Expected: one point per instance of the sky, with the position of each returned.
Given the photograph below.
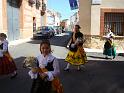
(61, 6)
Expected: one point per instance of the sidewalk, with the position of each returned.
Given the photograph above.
(100, 50)
(20, 41)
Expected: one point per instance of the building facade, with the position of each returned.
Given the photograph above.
(96, 16)
(53, 18)
(21, 17)
(65, 24)
(74, 20)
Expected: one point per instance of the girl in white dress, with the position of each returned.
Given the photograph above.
(7, 64)
(45, 61)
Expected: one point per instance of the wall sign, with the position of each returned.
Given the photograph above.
(96, 2)
(73, 4)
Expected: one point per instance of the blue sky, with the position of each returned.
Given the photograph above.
(61, 6)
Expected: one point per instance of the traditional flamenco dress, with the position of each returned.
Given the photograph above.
(77, 57)
(7, 64)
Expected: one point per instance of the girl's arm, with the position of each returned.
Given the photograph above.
(56, 71)
(73, 37)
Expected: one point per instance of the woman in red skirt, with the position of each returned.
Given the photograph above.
(7, 65)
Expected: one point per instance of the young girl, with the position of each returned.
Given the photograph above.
(77, 55)
(50, 63)
(7, 65)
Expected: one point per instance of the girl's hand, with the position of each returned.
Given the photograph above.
(34, 70)
(44, 75)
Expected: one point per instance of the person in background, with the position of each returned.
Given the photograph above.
(109, 46)
(7, 64)
(76, 55)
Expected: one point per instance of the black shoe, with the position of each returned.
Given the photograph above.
(13, 76)
(66, 69)
(114, 57)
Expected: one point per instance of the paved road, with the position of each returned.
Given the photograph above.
(100, 75)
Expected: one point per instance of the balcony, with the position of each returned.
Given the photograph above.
(38, 4)
(43, 6)
(31, 1)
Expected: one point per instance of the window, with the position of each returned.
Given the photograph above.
(38, 4)
(114, 21)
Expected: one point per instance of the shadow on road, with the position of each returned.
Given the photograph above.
(96, 57)
(20, 84)
(99, 76)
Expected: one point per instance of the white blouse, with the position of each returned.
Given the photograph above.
(43, 61)
(5, 47)
(109, 34)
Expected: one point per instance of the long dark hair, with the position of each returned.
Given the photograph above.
(45, 41)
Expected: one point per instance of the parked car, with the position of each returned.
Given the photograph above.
(44, 32)
(58, 29)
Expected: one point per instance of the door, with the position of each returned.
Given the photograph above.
(13, 20)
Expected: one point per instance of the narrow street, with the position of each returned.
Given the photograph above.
(99, 75)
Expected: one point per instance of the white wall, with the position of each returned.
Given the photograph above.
(85, 16)
(112, 3)
(95, 20)
(95, 13)
(57, 21)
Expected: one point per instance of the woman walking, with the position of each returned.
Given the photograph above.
(109, 47)
(76, 55)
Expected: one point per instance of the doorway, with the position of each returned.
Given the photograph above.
(13, 20)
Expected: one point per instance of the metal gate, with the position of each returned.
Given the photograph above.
(13, 20)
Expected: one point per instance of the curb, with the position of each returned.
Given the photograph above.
(20, 41)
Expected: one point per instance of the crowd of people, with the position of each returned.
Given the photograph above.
(76, 56)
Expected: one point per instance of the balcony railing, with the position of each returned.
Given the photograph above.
(38, 4)
(31, 1)
(43, 6)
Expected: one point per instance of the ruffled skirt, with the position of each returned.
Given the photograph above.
(7, 64)
(110, 51)
(76, 58)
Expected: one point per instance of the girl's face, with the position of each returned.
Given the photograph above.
(76, 29)
(45, 49)
(1, 38)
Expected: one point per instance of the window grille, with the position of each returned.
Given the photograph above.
(114, 21)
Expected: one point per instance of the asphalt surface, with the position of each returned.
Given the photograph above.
(98, 76)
